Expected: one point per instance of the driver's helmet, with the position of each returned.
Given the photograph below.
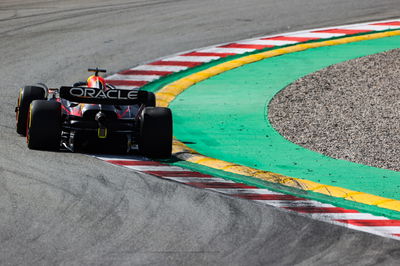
(96, 82)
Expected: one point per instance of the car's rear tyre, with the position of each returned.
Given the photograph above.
(148, 98)
(26, 95)
(156, 132)
(44, 125)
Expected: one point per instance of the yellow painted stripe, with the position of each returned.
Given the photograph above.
(169, 92)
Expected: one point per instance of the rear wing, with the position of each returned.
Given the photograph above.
(98, 96)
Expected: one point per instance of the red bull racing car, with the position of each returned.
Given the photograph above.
(94, 115)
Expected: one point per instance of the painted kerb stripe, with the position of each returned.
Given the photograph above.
(169, 92)
(353, 219)
(349, 218)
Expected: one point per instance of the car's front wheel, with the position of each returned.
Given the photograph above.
(44, 125)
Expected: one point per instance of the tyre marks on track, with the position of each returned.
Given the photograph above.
(349, 218)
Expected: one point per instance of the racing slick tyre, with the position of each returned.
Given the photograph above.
(147, 98)
(44, 125)
(26, 95)
(156, 132)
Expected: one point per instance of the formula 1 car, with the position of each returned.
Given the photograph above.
(93, 115)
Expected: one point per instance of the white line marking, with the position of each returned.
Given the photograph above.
(134, 77)
(318, 35)
(295, 203)
(245, 191)
(268, 42)
(160, 68)
(377, 229)
(227, 50)
(203, 59)
(370, 27)
(348, 216)
(198, 179)
(155, 168)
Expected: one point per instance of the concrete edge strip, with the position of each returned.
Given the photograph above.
(170, 91)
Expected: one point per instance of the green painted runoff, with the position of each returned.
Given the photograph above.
(225, 117)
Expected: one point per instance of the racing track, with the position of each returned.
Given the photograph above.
(62, 208)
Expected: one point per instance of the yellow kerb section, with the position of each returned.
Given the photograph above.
(169, 92)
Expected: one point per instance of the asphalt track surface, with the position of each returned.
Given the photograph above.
(63, 208)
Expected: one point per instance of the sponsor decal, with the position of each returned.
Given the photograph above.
(100, 94)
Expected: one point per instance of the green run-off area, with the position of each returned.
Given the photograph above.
(225, 117)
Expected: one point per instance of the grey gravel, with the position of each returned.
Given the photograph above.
(348, 111)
